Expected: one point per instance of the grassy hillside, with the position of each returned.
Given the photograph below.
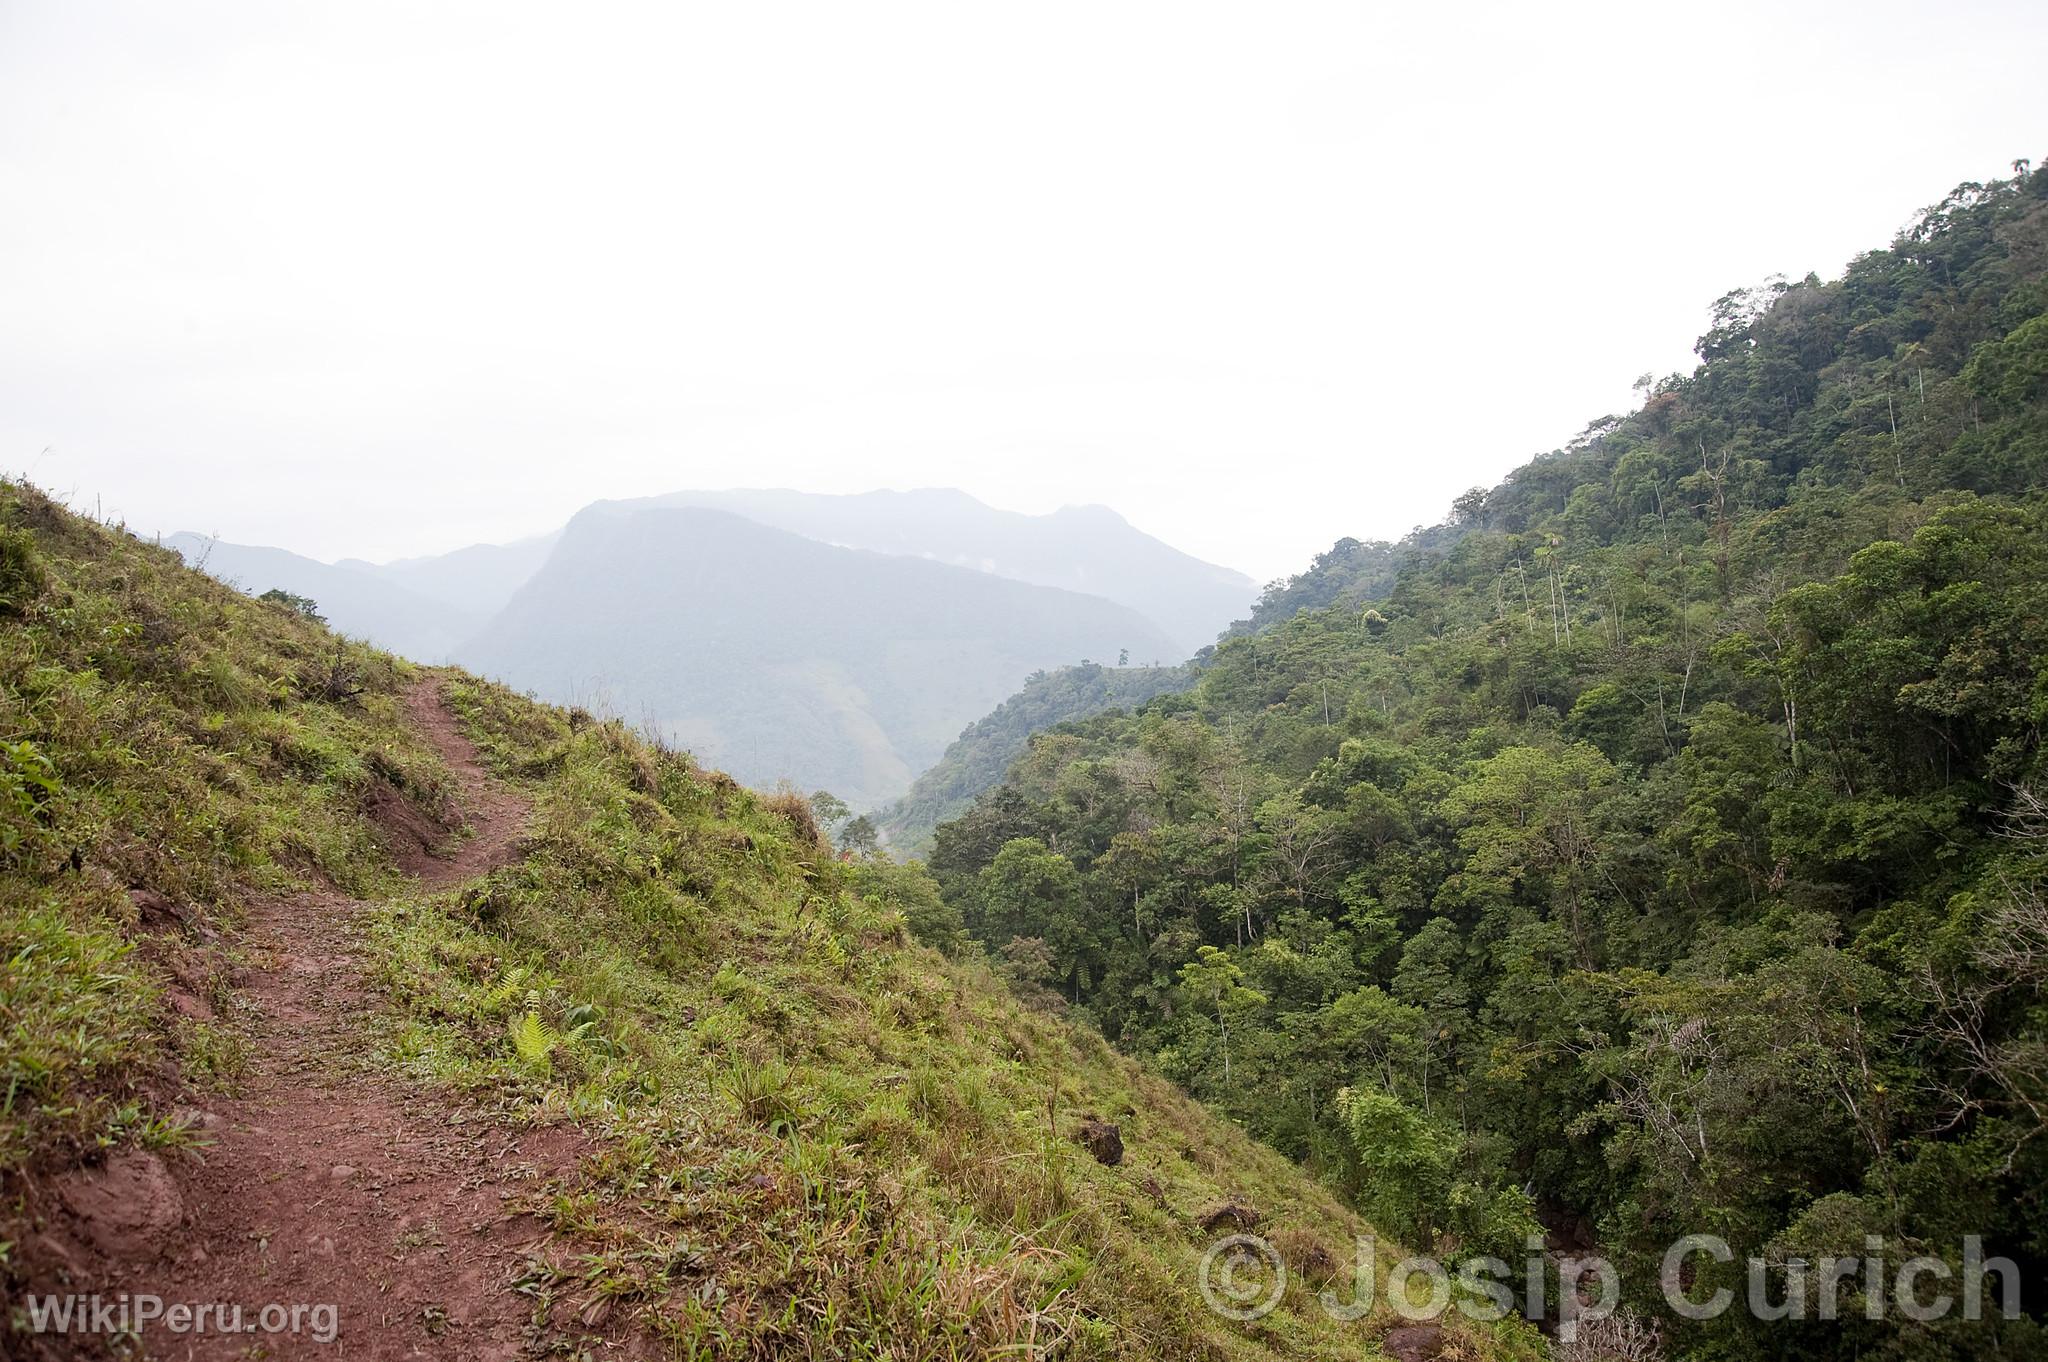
(171, 747)
(353, 599)
(807, 1134)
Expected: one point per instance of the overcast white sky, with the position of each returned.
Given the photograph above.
(380, 279)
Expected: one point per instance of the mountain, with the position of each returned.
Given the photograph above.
(517, 1035)
(475, 581)
(890, 667)
(357, 602)
(1662, 843)
(1088, 549)
(780, 657)
(981, 755)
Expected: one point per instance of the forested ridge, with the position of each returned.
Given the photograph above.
(980, 756)
(1656, 847)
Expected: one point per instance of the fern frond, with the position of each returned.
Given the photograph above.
(533, 1039)
(507, 988)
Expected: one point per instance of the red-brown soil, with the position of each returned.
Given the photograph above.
(324, 1181)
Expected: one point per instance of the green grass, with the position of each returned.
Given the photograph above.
(821, 1139)
(812, 1136)
(160, 735)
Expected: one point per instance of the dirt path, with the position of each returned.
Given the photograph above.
(494, 814)
(326, 1183)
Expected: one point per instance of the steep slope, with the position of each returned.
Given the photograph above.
(1666, 846)
(354, 601)
(476, 581)
(1089, 549)
(638, 1068)
(778, 657)
(303, 1123)
(982, 754)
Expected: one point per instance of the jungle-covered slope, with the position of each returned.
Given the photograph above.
(1659, 846)
(982, 754)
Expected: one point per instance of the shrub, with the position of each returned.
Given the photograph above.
(793, 809)
(298, 605)
(22, 574)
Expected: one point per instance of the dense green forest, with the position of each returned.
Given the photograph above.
(1658, 846)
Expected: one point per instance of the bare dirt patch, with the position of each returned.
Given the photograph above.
(1414, 1343)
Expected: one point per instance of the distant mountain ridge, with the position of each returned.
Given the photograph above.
(1090, 549)
(776, 656)
(884, 680)
(353, 598)
(477, 580)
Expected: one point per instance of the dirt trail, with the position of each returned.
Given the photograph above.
(326, 1183)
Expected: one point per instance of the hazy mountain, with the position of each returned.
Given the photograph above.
(871, 658)
(477, 580)
(776, 656)
(1077, 548)
(352, 600)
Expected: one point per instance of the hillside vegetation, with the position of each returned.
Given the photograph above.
(805, 1134)
(1657, 847)
(982, 754)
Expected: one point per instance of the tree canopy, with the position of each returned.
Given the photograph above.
(1657, 846)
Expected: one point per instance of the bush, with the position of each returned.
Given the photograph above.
(298, 605)
(1413, 1188)
(22, 574)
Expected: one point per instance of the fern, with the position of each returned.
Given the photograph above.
(534, 1040)
(507, 988)
(579, 1027)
